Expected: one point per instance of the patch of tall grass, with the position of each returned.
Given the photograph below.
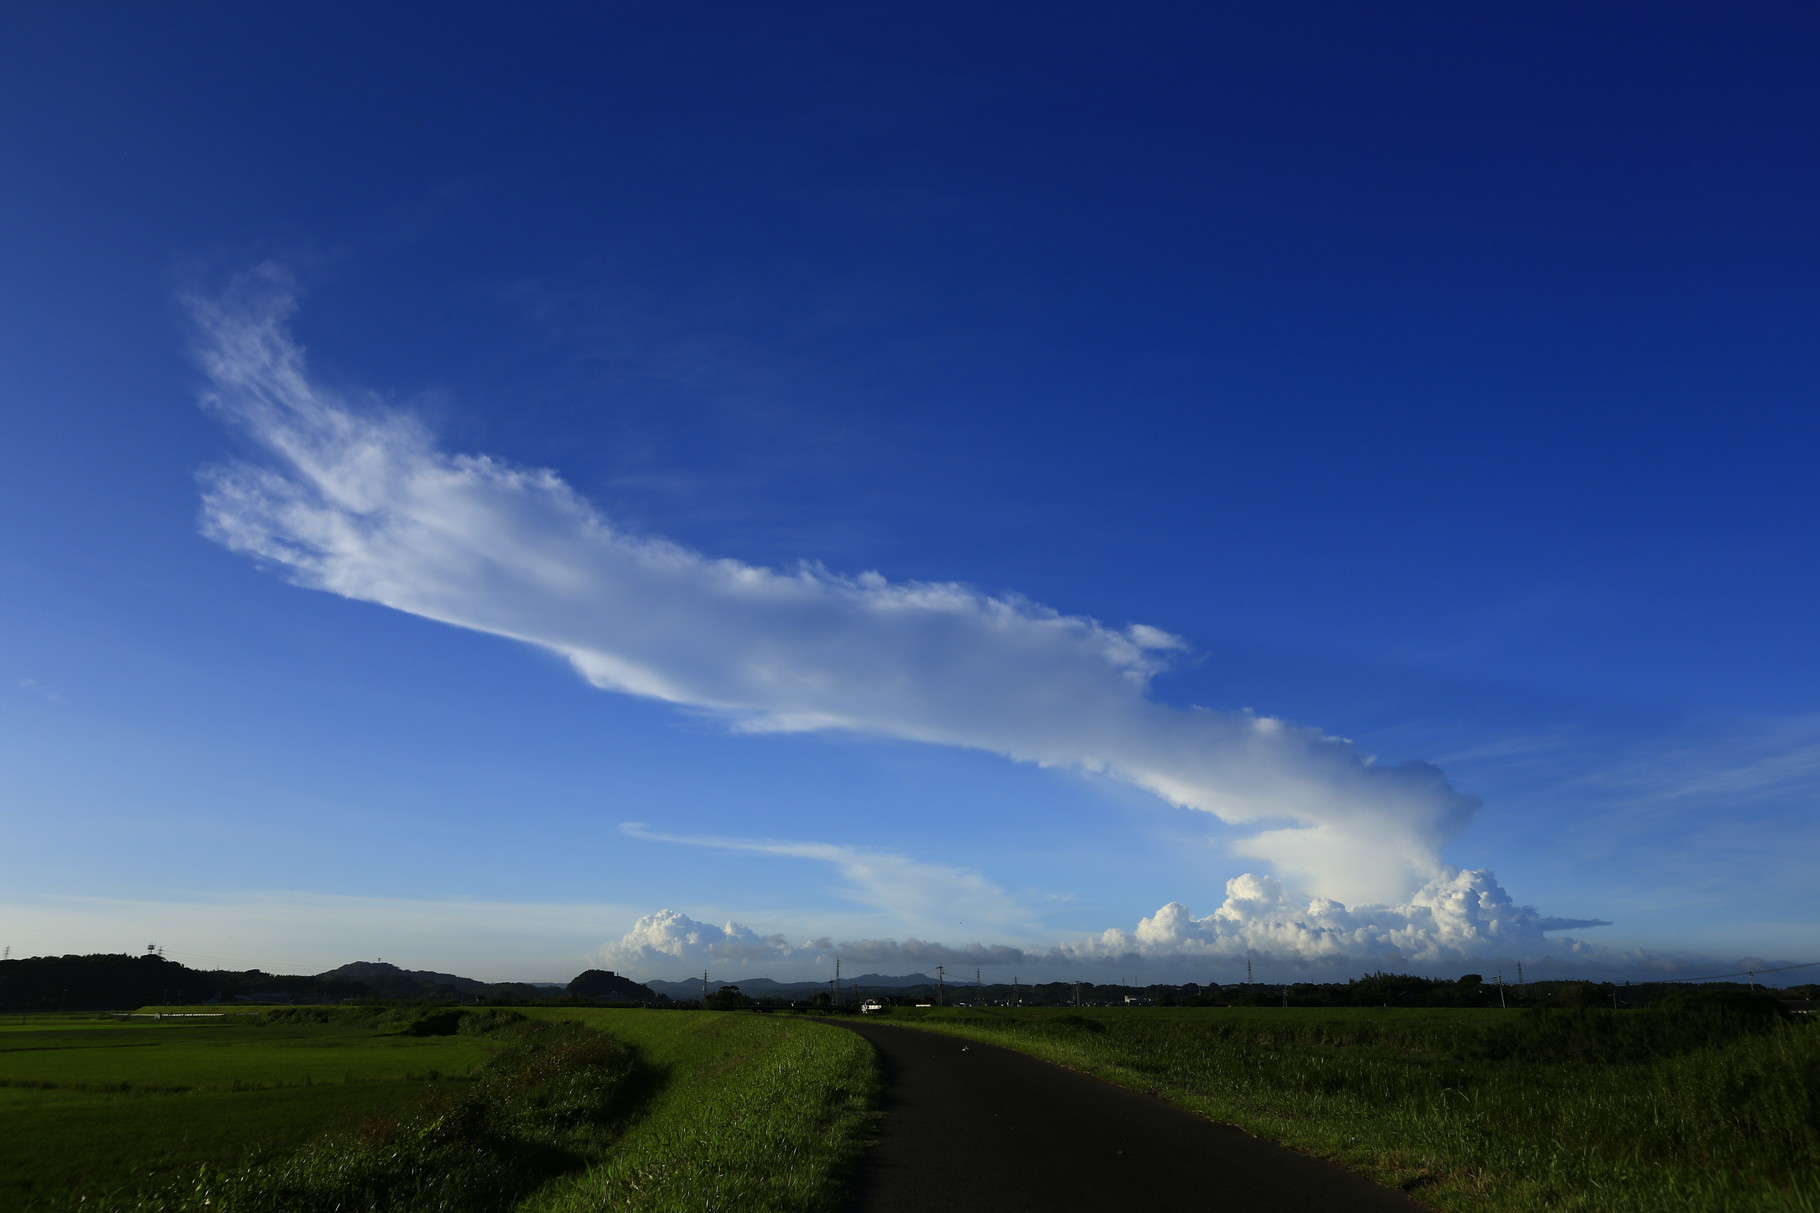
(751, 1112)
(544, 1105)
(1689, 1108)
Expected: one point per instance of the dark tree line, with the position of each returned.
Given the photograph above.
(109, 982)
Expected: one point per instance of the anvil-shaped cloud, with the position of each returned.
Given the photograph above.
(360, 501)
(1461, 918)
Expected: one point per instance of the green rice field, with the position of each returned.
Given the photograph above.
(98, 1106)
(354, 1110)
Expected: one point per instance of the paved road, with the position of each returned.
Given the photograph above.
(969, 1126)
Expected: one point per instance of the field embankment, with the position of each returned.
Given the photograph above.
(749, 1112)
(1601, 1111)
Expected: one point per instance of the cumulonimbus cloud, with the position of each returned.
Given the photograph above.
(358, 500)
(1453, 919)
(1463, 918)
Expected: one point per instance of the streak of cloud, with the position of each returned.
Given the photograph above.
(358, 500)
(920, 895)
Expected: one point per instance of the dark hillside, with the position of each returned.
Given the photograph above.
(602, 986)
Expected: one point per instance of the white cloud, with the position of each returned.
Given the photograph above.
(359, 501)
(916, 895)
(669, 937)
(1460, 921)
(670, 942)
(1459, 918)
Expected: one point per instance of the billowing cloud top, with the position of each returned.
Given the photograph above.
(1459, 919)
(359, 501)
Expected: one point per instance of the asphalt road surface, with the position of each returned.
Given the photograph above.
(969, 1126)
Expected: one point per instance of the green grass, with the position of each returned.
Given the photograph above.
(56, 1156)
(752, 1112)
(199, 1057)
(1474, 1110)
(696, 1110)
(89, 1107)
(546, 1104)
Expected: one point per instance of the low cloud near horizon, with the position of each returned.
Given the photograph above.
(1461, 921)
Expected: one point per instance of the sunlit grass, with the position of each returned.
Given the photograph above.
(749, 1112)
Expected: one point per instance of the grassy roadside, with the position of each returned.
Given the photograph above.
(1473, 1110)
(752, 1112)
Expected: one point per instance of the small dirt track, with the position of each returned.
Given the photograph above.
(968, 1126)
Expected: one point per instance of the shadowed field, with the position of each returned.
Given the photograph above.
(1699, 1107)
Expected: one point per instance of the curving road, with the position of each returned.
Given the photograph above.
(969, 1126)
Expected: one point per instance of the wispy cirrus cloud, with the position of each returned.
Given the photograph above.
(43, 691)
(908, 892)
(358, 500)
(1743, 762)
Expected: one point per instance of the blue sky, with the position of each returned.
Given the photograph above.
(1084, 493)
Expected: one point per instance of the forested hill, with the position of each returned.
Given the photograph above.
(384, 980)
(114, 982)
(111, 982)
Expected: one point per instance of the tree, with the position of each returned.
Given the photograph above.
(727, 998)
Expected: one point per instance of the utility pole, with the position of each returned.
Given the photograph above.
(941, 985)
(1248, 970)
(837, 983)
(1017, 999)
(704, 987)
(1500, 980)
(1519, 977)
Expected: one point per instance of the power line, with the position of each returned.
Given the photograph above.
(1749, 972)
(1717, 976)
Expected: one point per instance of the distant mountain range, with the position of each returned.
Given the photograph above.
(764, 987)
(116, 981)
(389, 981)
